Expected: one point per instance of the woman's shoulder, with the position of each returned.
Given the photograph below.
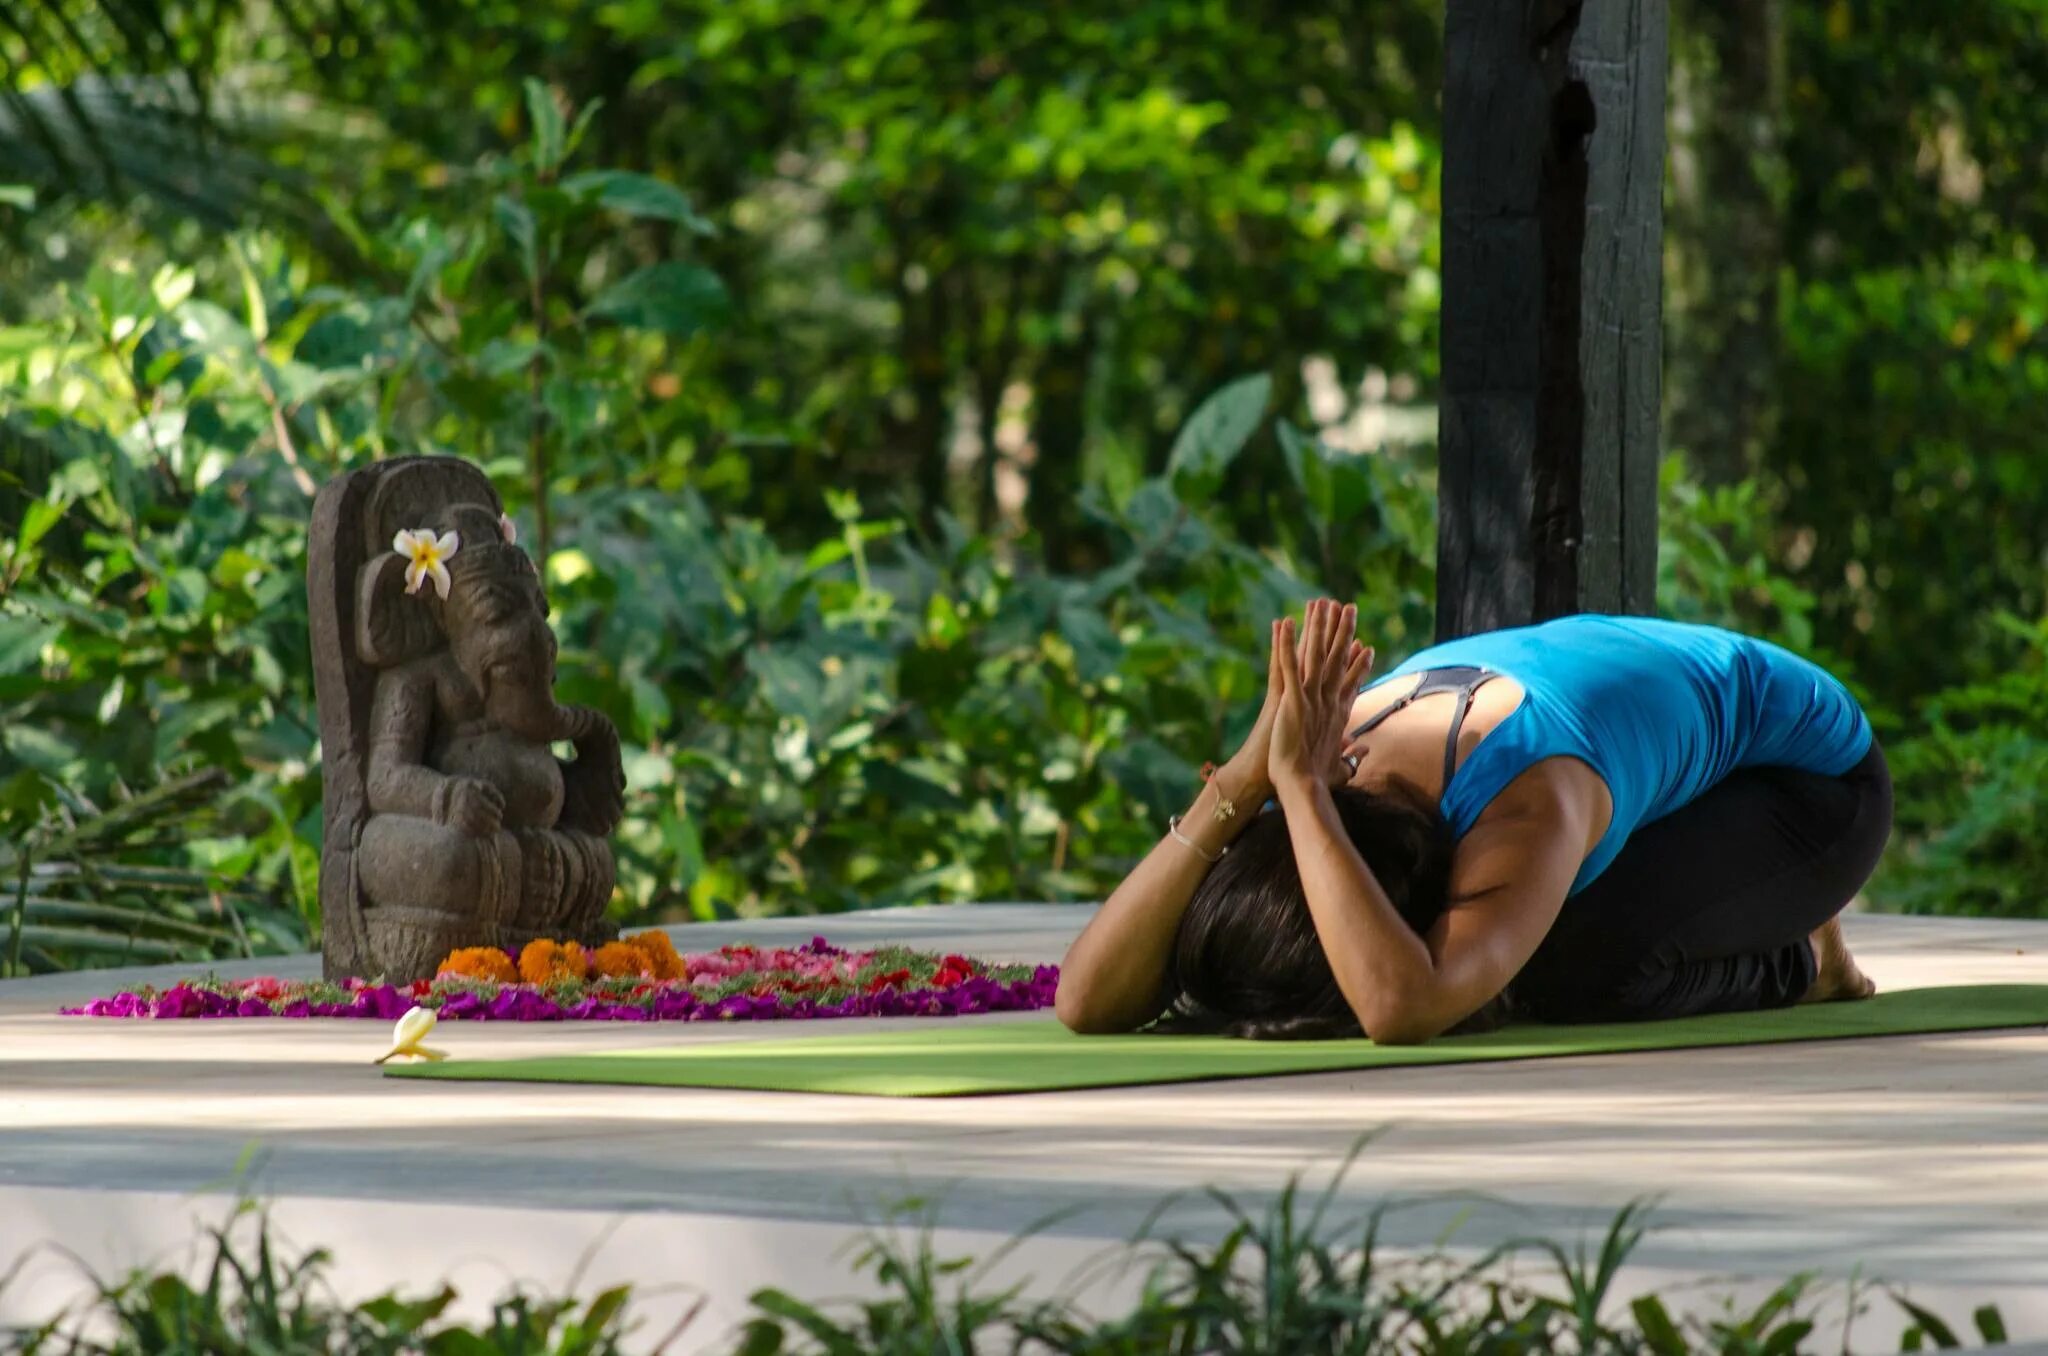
(1551, 793)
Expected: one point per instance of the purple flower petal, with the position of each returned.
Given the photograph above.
(462, 1005)
(812, 982)
(177, 1001)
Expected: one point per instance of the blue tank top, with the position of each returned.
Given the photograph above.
(1661, 710)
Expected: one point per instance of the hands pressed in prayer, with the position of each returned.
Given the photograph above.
(1318, 673)
(1249, 773)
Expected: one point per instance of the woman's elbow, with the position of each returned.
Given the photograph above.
(1393, 1024)
(1080, 1014)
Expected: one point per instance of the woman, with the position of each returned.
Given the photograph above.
(1593, 819)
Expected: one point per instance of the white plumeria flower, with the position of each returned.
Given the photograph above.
(429, 556)
(413, 1028)
(509, 528)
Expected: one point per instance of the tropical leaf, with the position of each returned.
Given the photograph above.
(73, 891)
(117, 138)
(674, 298)
(1216, 432)
(125, 100)
(638, 195)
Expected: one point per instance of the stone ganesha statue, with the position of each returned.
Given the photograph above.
(449, 820)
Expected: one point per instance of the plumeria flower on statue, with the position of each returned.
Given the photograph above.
(412, 1028)
(429, 556)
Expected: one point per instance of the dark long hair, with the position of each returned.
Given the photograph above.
(1247, 961)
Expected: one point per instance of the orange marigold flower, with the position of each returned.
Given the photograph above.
(663, 960)
(478, 962)
(622, 960)
(543, 960)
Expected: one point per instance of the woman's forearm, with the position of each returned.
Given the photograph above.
(1113, 977)
(1383, 969)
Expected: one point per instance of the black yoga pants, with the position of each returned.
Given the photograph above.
(1709, 908)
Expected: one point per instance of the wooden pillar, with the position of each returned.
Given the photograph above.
(1553, 236)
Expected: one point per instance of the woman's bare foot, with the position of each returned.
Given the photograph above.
(1838, 979)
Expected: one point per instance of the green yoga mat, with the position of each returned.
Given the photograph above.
(928, 1057)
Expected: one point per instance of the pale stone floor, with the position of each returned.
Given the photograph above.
(1917, 1160)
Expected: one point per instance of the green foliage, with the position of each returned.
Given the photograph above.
(1215, 433)
(895, 380)
(1912, 131)
(922, 207)
(1912, 465)
(1969, 763)
(894, 714)
(151, 622)
(75, 895)
(252, 1301)
(1284, 1280)
(1714, 562)
(1971, 783)
(1856, 303)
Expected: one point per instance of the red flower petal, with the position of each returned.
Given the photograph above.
(888, 981)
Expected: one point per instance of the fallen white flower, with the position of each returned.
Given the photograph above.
(413, 1028)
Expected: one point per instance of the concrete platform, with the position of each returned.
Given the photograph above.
(1917, 1160)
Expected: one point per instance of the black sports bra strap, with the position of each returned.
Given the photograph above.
(1465, 692)
(1372, 722)
(1464, 679)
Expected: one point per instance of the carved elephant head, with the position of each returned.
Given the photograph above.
(493, 623)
